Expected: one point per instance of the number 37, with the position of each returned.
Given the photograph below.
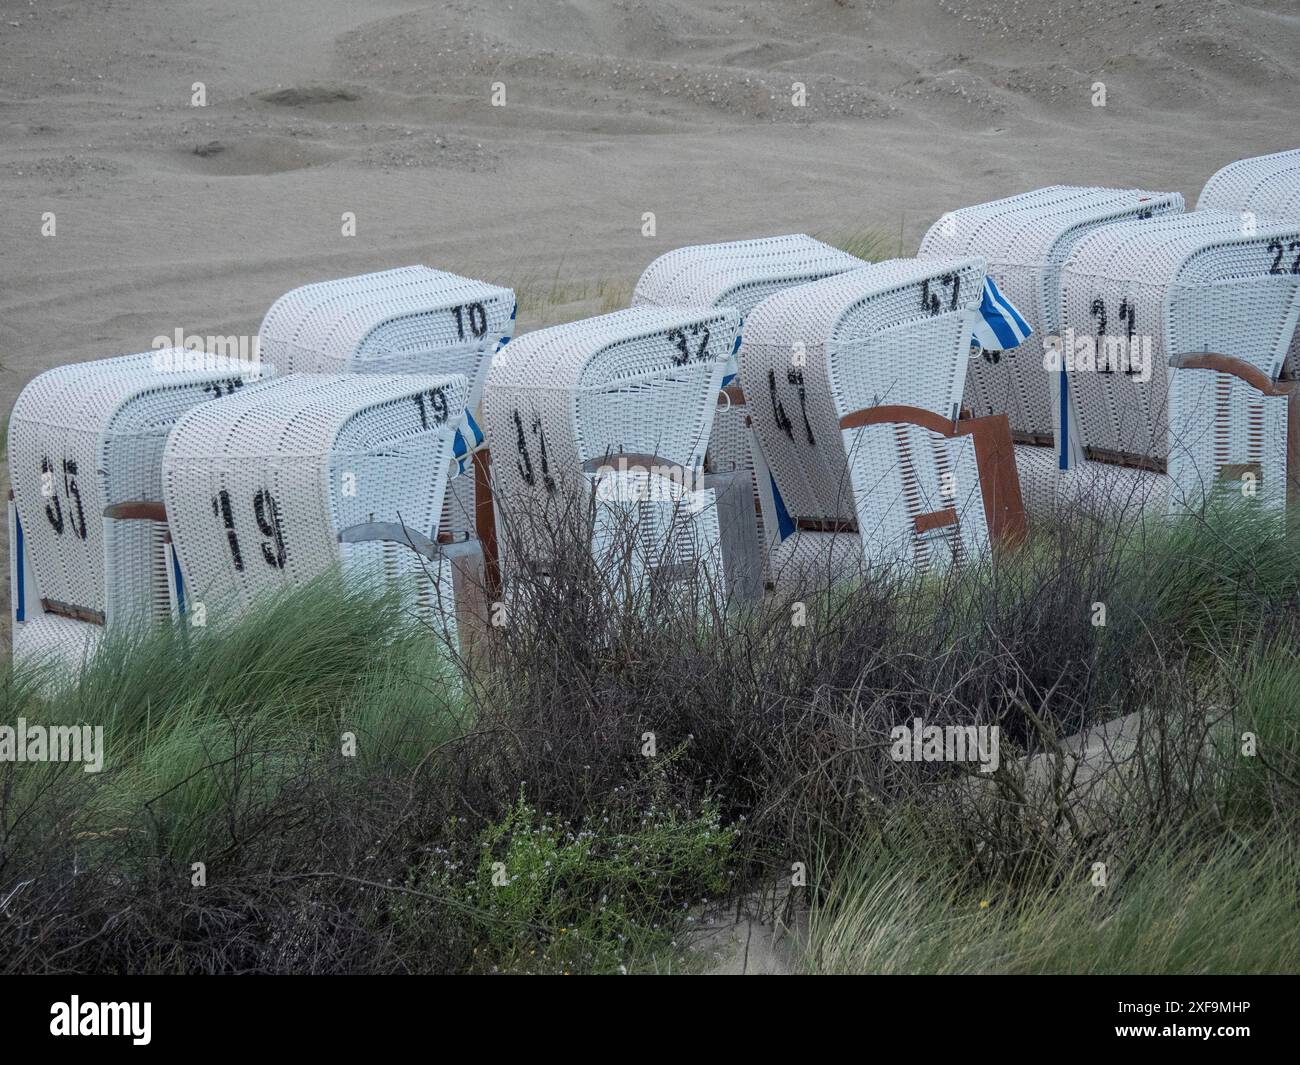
(266, 512)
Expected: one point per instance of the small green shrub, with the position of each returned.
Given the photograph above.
(609, 893)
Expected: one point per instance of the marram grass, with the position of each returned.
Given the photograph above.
(197, 719)
(1228, 906)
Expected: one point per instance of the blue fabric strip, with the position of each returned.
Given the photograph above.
(1063, 460)
(20, 614)
(180, 582)
(784, 523)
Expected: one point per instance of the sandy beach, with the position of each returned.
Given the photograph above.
(172, 216)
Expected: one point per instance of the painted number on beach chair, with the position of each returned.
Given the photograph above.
(266, 512)
(794, 377)
(1098, 310)
(1127, 315)
(217, 389)
(1276, 247)
(525, 461)
(437, 406)
(930, 301)
(678, 338)
(473, 315)
(71, 492)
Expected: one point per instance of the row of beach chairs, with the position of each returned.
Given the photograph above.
(769, 411)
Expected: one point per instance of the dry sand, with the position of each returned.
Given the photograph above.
(171, 216)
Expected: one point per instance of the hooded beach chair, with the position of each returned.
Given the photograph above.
(268, 490)
(1026, 240)
(88, 537)
(1264, 186)
(1175, 332)
(738, 274)
(408, 320)
(854, 386)
(620, 407)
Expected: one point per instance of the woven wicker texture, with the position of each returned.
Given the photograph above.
(259, 486)
(1268, 186)
(668, 528)
(641, 381)
(1262, 186)
(459, 508)
(733, 449)
(409, 320)
(896, 332)
(91, 435)
(425, 586)
(1026, 240)
(1226, 440)
(903, 472)
(1172, 285)
(739, 273)
(1099, 487)
(893, 333)
(50, 641)
(816, 559)
(144, 597)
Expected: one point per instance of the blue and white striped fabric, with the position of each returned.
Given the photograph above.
(1000, 326)
(461, 447)
(732, 369)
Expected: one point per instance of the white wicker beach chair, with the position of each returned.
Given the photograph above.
(1026, 239)
(854, 386)
(89, 542)
(622, 403)
(738, 274)
(1266, 186)
(409, 320)
(1138, 297)
(1262, 186)
(271, 489)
